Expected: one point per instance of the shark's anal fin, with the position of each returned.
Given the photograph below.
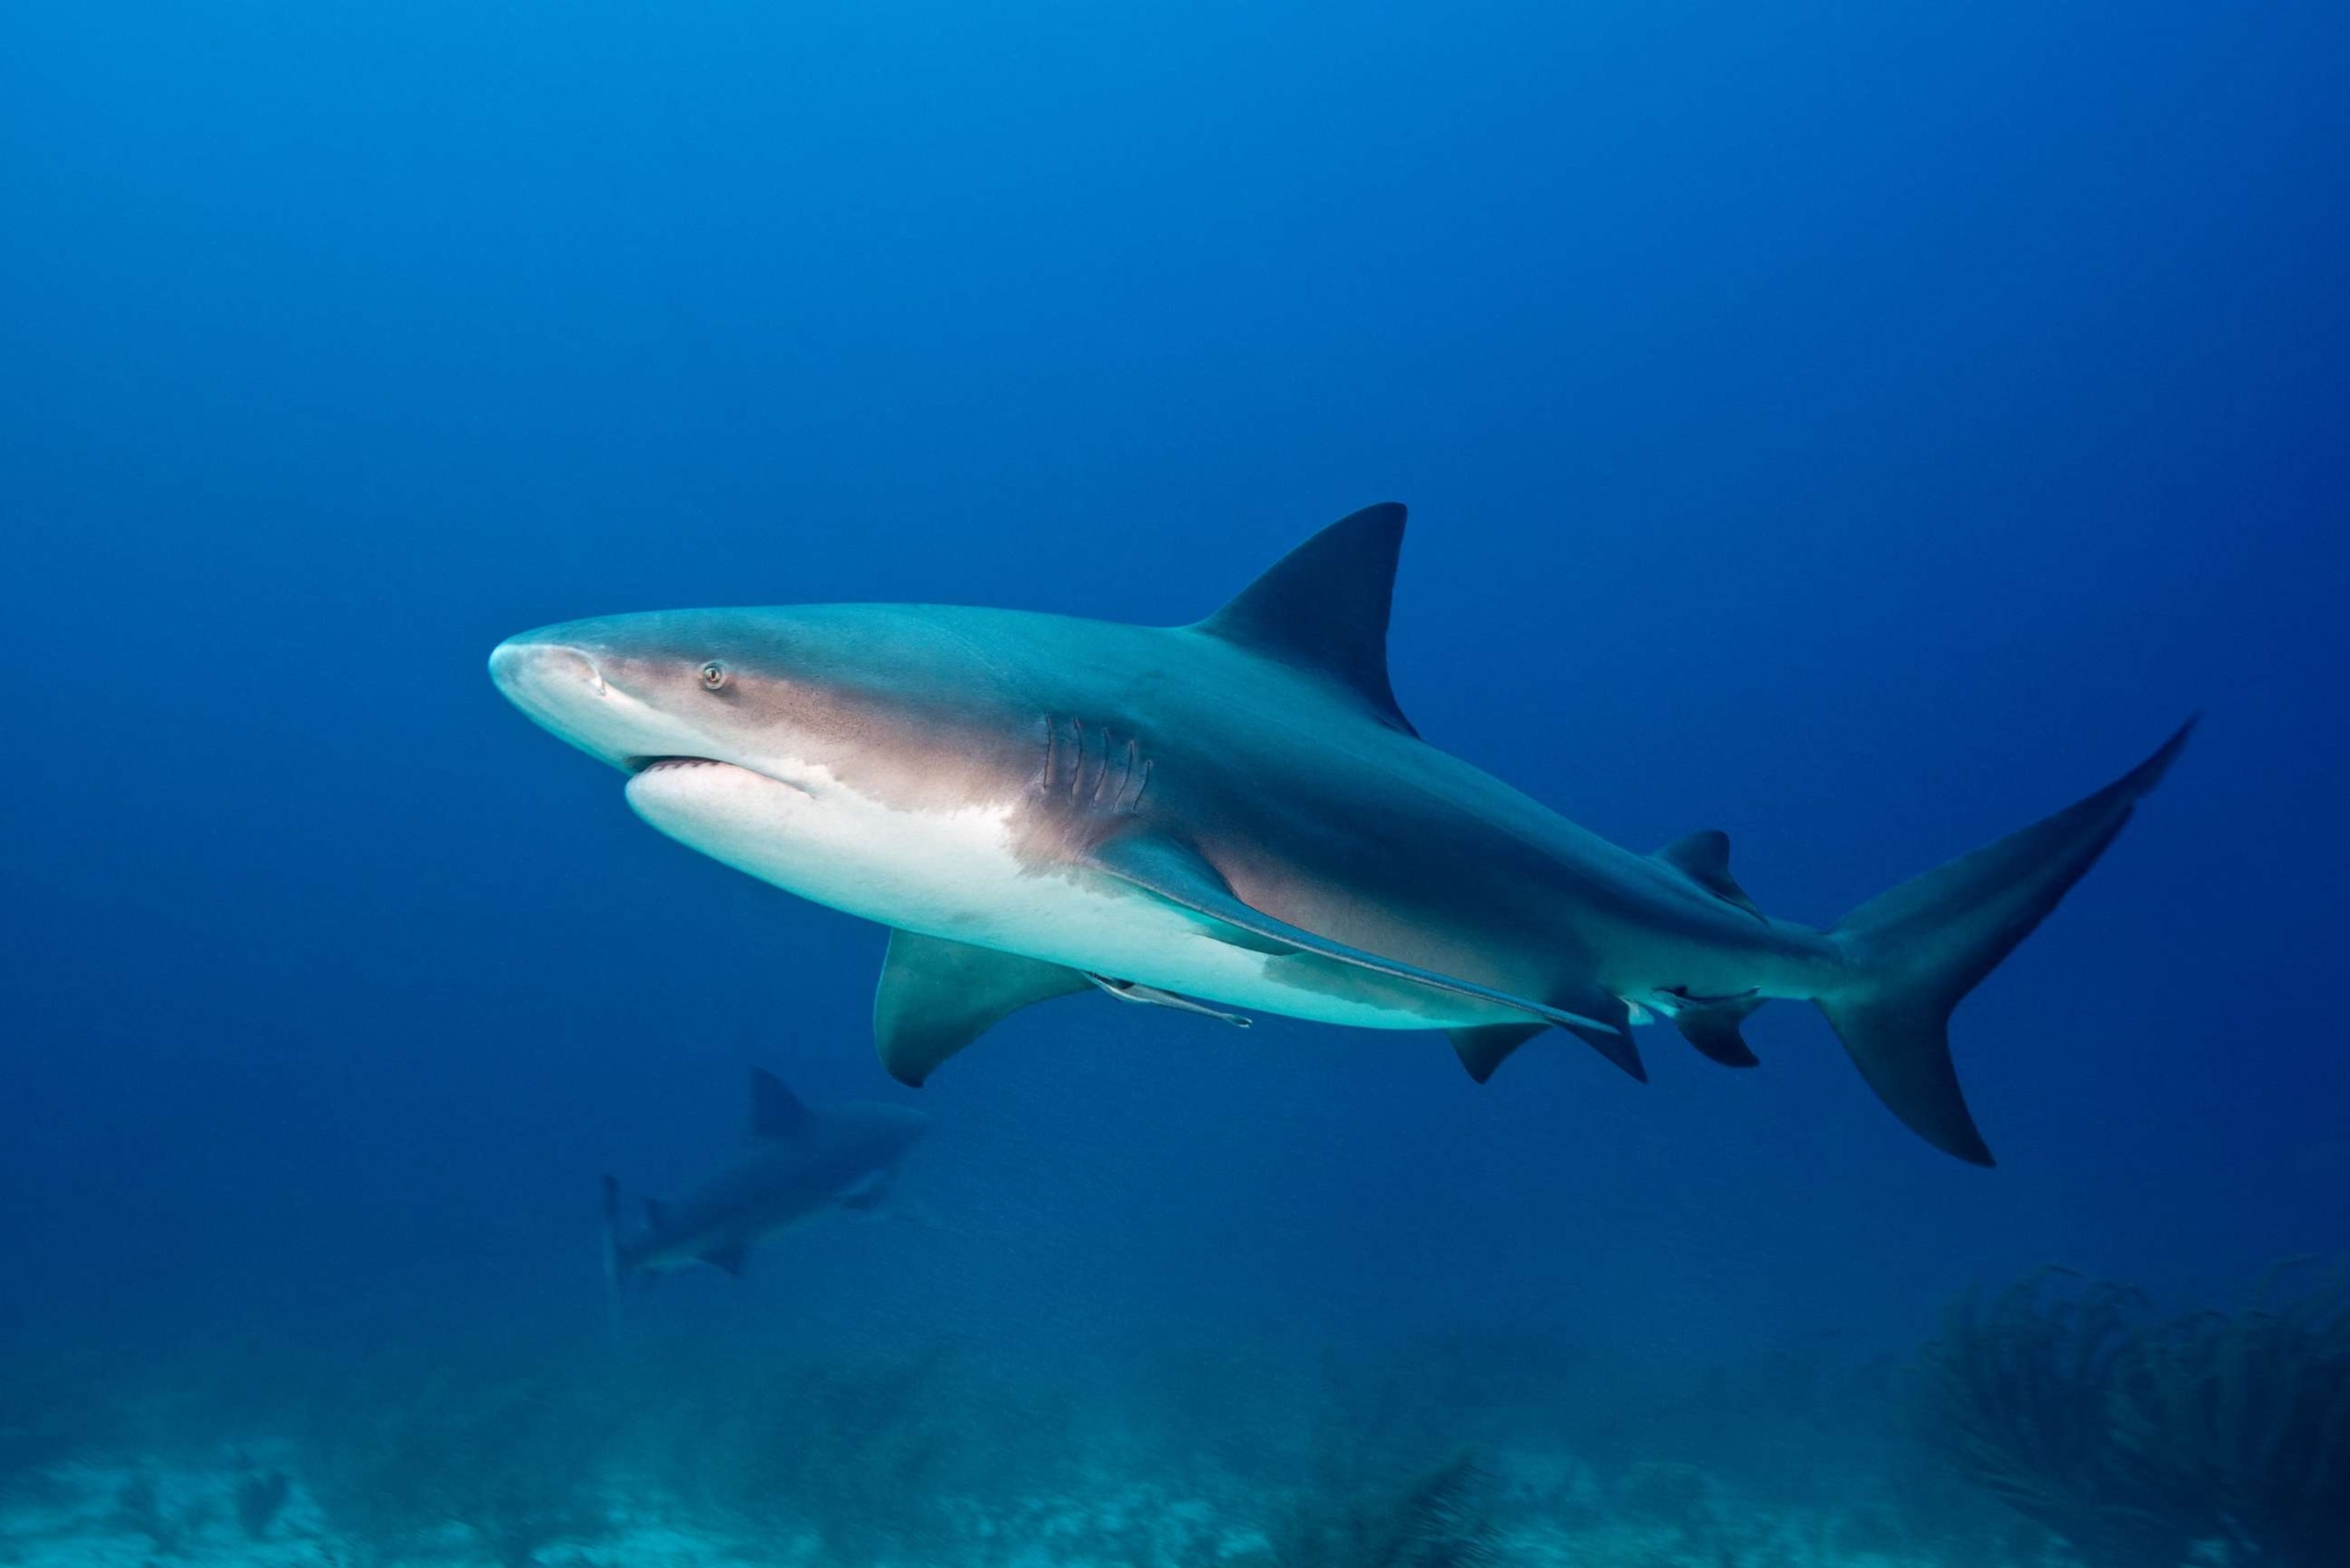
(775, 1111)
(1176, 872)
(730, 1256)
(1704, 858)
(1711, 1023)
(1150, 996)
(1485, 1048)
(1324, 608)
(937, 996)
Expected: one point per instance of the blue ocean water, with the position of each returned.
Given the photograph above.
(1862, 430)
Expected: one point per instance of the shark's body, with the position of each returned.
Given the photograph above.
(1236, 811)
(799, 1162)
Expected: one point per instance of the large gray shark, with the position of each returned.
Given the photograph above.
(1237, 811)
(800, 1161)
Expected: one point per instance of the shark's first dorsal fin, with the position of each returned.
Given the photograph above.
(656, 1215)
(1704, 858)
(775, 1111)
(1324, 606)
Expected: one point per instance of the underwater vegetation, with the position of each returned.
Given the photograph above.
(2135, 1435)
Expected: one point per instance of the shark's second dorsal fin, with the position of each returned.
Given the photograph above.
(1704, 858)
(775, 1111)
(1324, 606)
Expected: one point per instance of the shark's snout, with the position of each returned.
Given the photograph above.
(565, 688)
(530, 669)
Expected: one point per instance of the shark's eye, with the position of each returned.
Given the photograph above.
(713, 675)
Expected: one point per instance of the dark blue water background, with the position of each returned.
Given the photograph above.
(1862, 432)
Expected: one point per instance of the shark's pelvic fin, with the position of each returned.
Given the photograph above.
(1914, 952)
(937, 996)
(730, 1256)
(1176, 872)
(775, 1111)
(1485, 1048)
(1704, 858)
(1324, 606)
(1605, 1027)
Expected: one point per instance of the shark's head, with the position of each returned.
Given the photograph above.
(807, 712)
(742, 687)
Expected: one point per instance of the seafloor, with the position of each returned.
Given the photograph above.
(1439, 1455)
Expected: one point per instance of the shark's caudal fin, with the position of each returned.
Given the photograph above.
(1914, 951)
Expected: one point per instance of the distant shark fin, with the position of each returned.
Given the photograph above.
(1483, 1047)
(938, 996)
(775, 1111)
(864, 1194)
(1704, 858)
(1178, 874)
(730, 1256)
(1324, 606)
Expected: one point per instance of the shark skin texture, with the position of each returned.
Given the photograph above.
(1237, 814)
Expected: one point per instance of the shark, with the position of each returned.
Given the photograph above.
(1236, 814)
(799, 1162)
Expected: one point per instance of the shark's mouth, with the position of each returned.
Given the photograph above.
(646, 767)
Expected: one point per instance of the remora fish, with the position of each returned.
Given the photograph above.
(799, 1162)
(1237, 810)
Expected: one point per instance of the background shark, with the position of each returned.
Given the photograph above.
(1239, 811)
(798, 1162)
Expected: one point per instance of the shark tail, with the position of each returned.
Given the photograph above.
(1914, 952)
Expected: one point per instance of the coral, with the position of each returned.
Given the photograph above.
(2134, 1437)
(2249, 1412)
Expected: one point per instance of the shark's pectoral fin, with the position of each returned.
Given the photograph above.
(1176, 872)
(1483, 1047)
(938, 996)
(1150, 996)
(730, 1256)
(866, 1193)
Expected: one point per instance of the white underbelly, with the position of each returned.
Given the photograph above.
(954, 874)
